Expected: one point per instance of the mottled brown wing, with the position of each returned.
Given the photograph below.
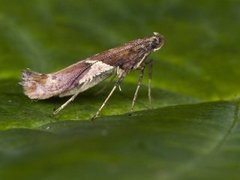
(43, 86)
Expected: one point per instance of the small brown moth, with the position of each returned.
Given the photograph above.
(89, 72)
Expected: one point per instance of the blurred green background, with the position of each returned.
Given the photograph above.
(193, 130)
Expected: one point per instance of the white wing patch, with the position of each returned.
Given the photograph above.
(98, 72)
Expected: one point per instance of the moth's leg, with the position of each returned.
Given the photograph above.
(138, 86)
(106, 85)
(119, 80)
(65, 104)
(150, 65)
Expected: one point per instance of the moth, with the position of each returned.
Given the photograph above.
(87, 73)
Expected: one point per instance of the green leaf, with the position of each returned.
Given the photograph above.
(192, 132)
(178, 142)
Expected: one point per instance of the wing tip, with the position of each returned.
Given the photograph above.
(31, 81)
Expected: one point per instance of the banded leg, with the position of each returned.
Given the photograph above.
(117, 84)
(138, 87)
(65, 104)
(150, 65)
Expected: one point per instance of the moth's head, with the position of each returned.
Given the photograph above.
(156, 41)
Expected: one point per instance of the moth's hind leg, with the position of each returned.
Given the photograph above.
(66, 103)
(106, 85)
(117, 84)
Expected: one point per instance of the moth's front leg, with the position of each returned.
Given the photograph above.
(150, 66)
(149, 63)
(138, 86)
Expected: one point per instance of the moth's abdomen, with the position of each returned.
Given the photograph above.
(38, 86)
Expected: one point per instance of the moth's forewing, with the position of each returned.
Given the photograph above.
(43, 86)
(77, 77)
(97, 72)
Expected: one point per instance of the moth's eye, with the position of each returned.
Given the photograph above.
(156, 40)
(155, 43)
